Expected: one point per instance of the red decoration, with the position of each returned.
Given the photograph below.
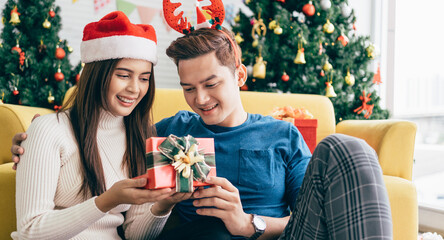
(22, 58)
(15, 92)
(282, 1)
(368, 108)
(377, 77)
(181, 24)
(322, 73)
(309, 9)
(60, 53)
(51, 13)
(285, 77)
(343, 39)
(244, 87)
(57, 108)
(58, 76)
(16, 48)
(302, 119)
(77, 77)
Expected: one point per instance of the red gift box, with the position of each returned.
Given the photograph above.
(307, 127)
(164, 175)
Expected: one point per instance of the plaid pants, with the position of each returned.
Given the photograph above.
(343, 195)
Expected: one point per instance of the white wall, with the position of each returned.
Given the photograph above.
(76, 15)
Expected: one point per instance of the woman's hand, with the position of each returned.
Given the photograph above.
(164, 206)
(130, 191)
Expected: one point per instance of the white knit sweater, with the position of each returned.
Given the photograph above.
(48, 181)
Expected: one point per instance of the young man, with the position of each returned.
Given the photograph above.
(261, 162)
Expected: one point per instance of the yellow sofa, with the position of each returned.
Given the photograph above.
(393, 140)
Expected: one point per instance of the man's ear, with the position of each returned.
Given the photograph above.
(242, 74)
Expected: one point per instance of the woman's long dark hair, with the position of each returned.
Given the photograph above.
(85, 105)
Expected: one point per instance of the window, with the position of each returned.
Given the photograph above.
(418, 96)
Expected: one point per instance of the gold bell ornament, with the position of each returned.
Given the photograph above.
(328, 27)
(300, 57)
(329, 90)
(238, 38)
(349, 78)
(46, 24)
(50, 98)
(14, 16)
(259, 68)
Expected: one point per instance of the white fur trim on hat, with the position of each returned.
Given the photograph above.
(118, 46)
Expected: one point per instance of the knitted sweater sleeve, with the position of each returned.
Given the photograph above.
(36, 184)
(140, 223)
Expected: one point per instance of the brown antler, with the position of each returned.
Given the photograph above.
(217, 12)
(177, 23)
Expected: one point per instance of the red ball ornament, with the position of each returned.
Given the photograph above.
(17, 49)
(244, 87)
(60, 53)
(285, 77)
(343, 39)
(15, 92)
(282, 1)
(322, 73)
(309, 9)
(58, 76)
(51, 13)
(77, 77)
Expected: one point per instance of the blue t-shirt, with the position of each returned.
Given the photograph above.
(264, 158)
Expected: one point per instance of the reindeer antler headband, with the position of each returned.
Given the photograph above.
(179, 23)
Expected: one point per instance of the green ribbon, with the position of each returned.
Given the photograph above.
(171, 150)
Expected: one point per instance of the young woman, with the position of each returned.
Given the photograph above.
(74, 182)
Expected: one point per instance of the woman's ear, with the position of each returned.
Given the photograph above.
(242, 74)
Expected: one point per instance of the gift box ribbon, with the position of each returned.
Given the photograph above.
(189, 162)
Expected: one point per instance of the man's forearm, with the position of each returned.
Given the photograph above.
(275, 226)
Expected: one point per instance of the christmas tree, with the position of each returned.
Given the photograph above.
(310, 47)
(35, 67)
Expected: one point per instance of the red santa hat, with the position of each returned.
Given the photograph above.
(201, 19)
(115, 37)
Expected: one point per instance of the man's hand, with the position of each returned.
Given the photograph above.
(226, 203)
(16, 150)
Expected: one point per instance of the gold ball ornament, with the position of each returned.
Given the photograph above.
(272, 25)
(328, 27)
(238, 38)
(278, 30)
(327, 66)
(247, 1)
(51, 98)
(371, 51)
(255, 43)
(46, 24)
(237, 18)
(349, 79)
